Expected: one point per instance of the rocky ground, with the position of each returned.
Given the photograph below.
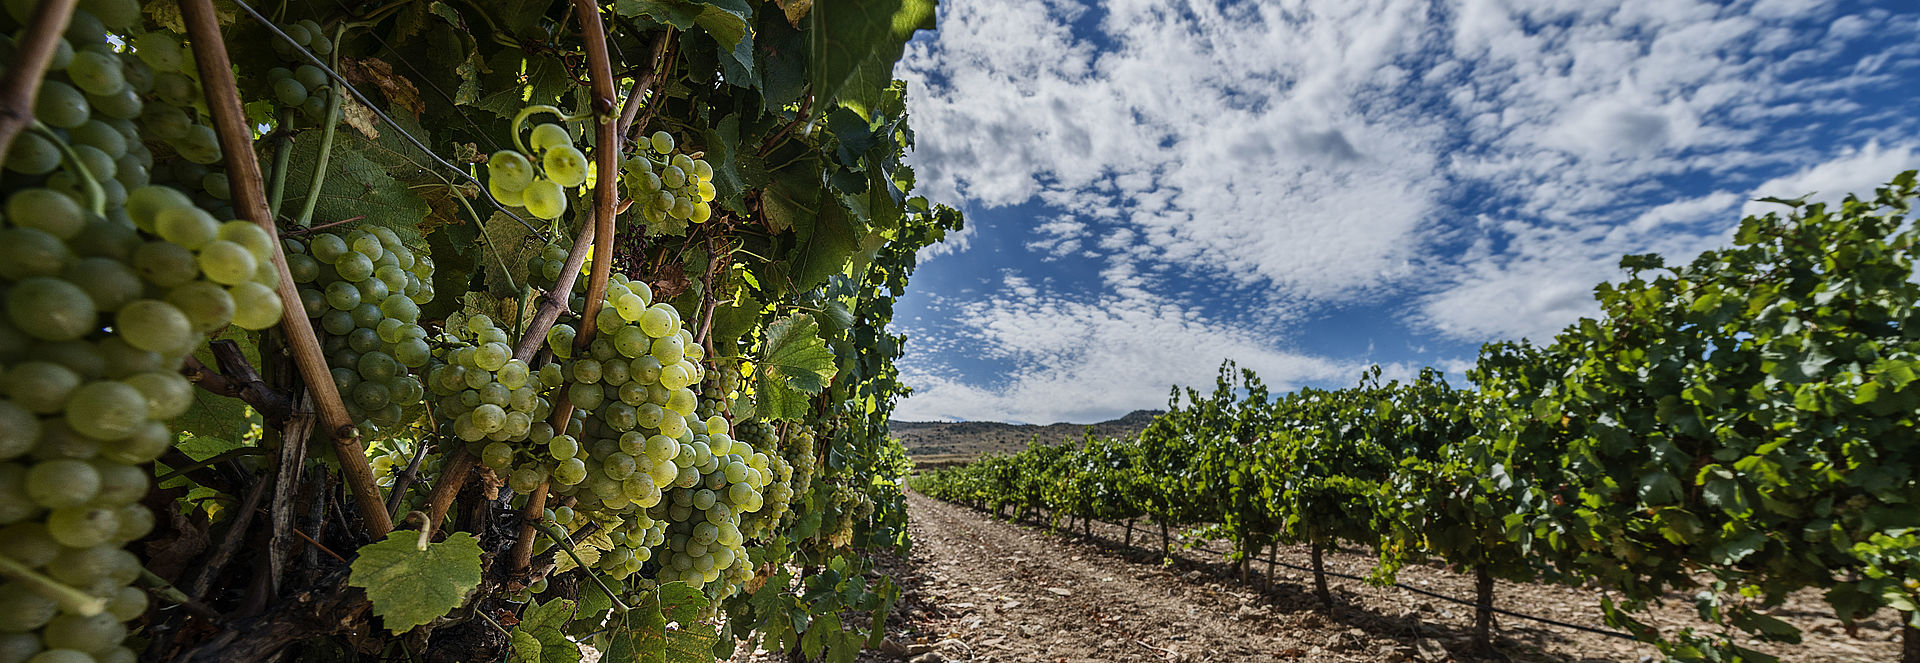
(981, 589)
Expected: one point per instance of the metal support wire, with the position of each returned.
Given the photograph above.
(342, 82)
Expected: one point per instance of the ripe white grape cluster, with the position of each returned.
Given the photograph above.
(777, 493)
(299, 85)
(665, 184)
(108, 284)
(365, 289)
(489, 397)
(513, 179)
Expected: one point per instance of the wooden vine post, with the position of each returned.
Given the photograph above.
(250, 202)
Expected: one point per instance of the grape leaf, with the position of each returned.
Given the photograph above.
(526, 647)
(409, 586)
(643, 634)
(795, 355)
(544, 623)
(826, 241)
(860, 43)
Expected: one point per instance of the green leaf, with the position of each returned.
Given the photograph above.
(410, 586)
(862, 35)
(794, 354)
(642, 634)
(826, 240)
(546, 622)
(526, 647)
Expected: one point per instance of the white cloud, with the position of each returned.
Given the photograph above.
(1084, 362)
(1480, 164)
(1855, 171)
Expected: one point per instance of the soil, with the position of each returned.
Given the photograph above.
(976, 588)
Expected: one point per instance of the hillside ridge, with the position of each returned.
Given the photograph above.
(941, 443)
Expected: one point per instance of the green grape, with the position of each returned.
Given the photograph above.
(151, 324)
(60, 105)
(661, 142)
(188, 226)
(545, 199)
(227, 263)
(508, 197)
(256, 306)
(509, 171)
(32, 155)
(61, 483)
(328, 248)
(548, 136)
(106, 410)
(354, 266)
(565, 165)
(310, 76)
(25, 252)
(96, 73)
(47, 211)
(83, 526)
(50, 309)
(289, 92)
(109, 283)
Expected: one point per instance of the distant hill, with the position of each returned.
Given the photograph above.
(941, 443)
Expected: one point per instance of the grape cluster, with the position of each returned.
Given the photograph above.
(665, 184)
(175, 115)
(105, 295)
(299, 85)
(513, 178)
(490, 398)
(365, 289)
(547, 264)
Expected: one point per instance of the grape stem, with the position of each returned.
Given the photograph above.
(96, 196)
(566, 545)
(31, 56)
(520, 120)
(334, 99)
(72, 600)
(249, 198)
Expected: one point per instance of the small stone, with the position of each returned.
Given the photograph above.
(918, 648)
(1431, 650)
(1062, 591)
(929, 657)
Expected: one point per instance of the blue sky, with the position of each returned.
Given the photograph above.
(1311, 187)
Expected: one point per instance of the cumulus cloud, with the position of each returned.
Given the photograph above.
(1474, 166)
(1064, 360)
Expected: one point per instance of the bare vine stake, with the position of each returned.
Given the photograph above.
(249, 197)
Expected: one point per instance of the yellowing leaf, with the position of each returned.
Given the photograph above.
(410, 586)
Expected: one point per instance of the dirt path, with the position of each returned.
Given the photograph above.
(980, 589)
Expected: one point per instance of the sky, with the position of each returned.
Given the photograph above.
(1308, 188)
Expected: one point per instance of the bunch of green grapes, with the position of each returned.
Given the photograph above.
(174, 112)
(107, 288)
(365, 289)
(514, 179)
(547, 264)
(778, 492)
(799, 452)
(665, 184)
(495, 402)
(299, 84)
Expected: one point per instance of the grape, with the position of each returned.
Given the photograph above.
(188, 226)
(545, 199)
(289, 92)
(256, 306)
(548, 136)
(165, 264)
(106, 410)
(60, 105)
(51, 309)
(661, 142)
(46, 210)
(32, 155)
(56, 484)
(227, 263)
(566, 166)
(155, 325)
(96, 73)
(26, 252)
(509, 171)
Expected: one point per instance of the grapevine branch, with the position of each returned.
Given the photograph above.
(249, 198)
(32, 55)
(642, 85)
(605, 198)
(238, 379)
